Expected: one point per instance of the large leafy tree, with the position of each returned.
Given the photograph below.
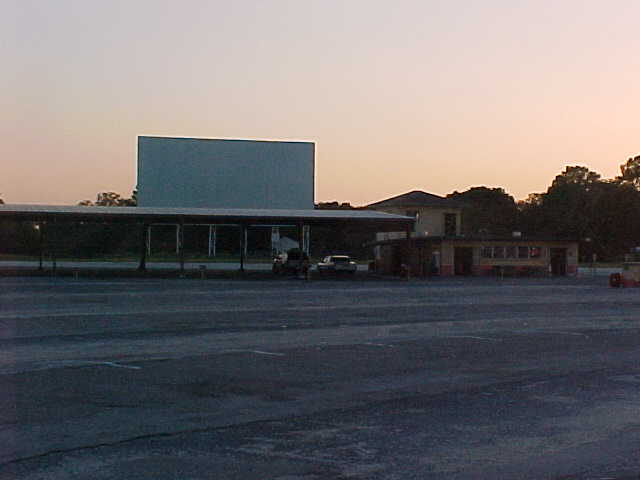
(569, 202)
(579, 204)
(489, 211)
(565, 209)
(614, 226)
(630, 172)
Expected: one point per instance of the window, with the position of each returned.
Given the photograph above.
(536, 252)
(498, 252)
(523, 252)
(486, 252)
(450, 225)
(510, 252)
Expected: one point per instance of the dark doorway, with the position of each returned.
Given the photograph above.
(558, 261)
(463, 260)
(396, 260)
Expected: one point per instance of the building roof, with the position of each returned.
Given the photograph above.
(219, 216)
(416, 198)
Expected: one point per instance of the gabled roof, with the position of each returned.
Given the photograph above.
(416, 198)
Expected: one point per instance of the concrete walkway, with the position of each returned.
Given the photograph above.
(133, 265)
(213, 266)
(220, 266)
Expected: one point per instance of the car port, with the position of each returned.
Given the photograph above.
(53, 222)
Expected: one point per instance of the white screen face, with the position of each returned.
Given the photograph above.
(199, 173)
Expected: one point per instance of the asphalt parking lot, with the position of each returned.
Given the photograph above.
(288, 379)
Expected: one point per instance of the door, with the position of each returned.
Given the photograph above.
(463, 260)
(558, 261)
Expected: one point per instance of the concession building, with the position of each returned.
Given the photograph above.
(437, 247)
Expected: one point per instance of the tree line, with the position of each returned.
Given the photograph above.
(603, 215)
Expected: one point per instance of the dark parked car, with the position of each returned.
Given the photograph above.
(287, 263)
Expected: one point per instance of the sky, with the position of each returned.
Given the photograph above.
(408, 95)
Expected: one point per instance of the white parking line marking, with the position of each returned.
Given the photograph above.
(260, 352)
(257, 352)
(119, 365)
(560, 332)
(476, 338)
(84, 363)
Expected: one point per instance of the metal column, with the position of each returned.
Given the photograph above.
(53, 244)
(300, 228)
(213, 234)
(243, 245)
(307, 239)
(178, 239)
(275, 240)
(144, 246)
(40, 229)
(409, 251)
(181, 246)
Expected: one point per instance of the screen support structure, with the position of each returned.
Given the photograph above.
(144, 246)
(181, 245)
(243, 245)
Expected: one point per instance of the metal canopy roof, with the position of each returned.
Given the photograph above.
(38, 213)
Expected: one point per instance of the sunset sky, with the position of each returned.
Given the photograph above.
(427, 94)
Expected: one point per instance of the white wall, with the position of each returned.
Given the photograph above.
(187, 172)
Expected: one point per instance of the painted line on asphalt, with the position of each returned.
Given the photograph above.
(257, 352)
(119, 365)
(560, 332)
(260, 352)
(86, 363)
(476, 338)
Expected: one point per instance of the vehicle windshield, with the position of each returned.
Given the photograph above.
(340, 259)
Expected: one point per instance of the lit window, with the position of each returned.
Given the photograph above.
(536, 252)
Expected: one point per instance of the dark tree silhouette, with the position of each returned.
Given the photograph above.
(489, 211)
(112, 199)
(580, 205)
(630, 172)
